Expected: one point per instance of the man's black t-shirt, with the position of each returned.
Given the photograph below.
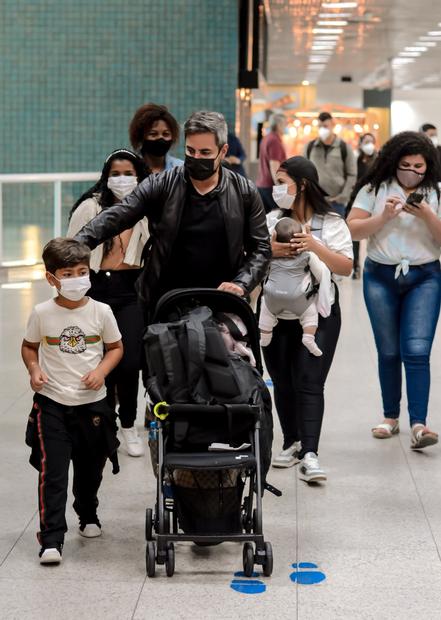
(200, 256)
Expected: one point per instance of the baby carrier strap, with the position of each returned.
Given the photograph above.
(317, 225)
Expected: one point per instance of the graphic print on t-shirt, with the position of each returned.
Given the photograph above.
(72, 340)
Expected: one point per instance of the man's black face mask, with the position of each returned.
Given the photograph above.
(200, 168)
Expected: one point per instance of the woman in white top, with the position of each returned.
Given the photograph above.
(398, 211)
(114, 268)
(298, 376)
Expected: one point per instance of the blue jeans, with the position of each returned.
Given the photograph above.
(403, 313)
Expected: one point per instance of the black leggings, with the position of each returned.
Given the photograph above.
(299, 378)
(117, 288)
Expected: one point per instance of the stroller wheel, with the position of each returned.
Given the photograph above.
(150, 558)
(248, 559)
(149, 524)
(170, 560)
(268, 562)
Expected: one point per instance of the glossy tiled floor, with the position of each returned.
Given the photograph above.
(374, 530)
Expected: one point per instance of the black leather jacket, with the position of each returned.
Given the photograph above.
(161, 198)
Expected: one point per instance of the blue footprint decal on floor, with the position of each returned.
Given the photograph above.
(247, 585)
(306, 577)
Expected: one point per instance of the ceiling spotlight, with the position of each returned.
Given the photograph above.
(332, 37)
(332, 23)
(304, 83)
(418, 48)
(327, 30)
(427, 44)
(410, 54)
(434, 33)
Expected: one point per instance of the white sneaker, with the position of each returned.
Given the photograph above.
(133, 441)
(52, 555)
(288, 457)
(310, 470)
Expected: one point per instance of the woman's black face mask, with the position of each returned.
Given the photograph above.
(156, 148)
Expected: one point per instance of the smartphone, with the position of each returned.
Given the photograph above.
(414, 199)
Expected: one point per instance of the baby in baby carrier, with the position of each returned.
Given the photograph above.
(290, 292)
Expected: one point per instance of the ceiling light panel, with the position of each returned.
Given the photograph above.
(339, 5)
(332, 23)
(327, 30)
(334, 15)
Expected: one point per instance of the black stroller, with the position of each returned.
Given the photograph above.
(208, 450)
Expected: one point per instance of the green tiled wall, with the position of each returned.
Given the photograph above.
(72, 72)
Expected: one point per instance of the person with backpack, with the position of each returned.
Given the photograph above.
(298, 376)
(207, 224)
(335, 163)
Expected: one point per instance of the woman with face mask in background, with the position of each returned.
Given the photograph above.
(114, 268)
(153, 131)
(398, 211)
(298, 376)
(366, 157)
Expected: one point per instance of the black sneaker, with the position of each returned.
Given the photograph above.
(90, 528)
(51, 554)
(356, 273)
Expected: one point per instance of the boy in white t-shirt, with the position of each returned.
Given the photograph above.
(70, 419)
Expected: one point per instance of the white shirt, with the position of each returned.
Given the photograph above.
(405, 240)
(71, 345)
(335, 236)
(86, 211)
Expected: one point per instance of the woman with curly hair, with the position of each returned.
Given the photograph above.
(153, 131)
(114, 268)
(398, 210)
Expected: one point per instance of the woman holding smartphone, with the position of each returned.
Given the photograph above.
(398, 211)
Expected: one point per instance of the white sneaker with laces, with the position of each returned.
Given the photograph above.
(310, 470)
(133, 441)
(288, 457)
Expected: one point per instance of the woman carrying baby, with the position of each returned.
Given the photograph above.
(298, 374)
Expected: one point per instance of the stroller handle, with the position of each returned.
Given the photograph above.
(164, 409)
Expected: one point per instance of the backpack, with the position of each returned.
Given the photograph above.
(343, 150)
(188, 362)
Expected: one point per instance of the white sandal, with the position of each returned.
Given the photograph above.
(422, 437)
(385, 430)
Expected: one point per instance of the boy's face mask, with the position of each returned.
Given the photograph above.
(73, 289)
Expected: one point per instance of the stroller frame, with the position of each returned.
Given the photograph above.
(160, 548)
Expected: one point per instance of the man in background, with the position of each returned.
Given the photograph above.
(335, 163)
(271, 154)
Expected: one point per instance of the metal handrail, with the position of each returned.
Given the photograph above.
(57, 178)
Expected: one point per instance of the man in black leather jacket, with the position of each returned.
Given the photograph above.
(207, 224)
